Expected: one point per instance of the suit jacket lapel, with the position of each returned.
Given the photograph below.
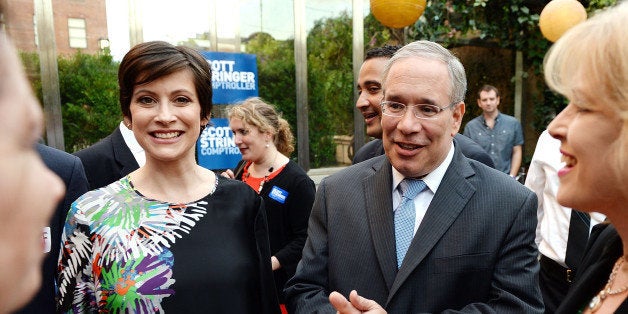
(378, 200)
(450, 198)
(122, 154)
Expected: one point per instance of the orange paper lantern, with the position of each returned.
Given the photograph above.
(397, 13)
(560, 15)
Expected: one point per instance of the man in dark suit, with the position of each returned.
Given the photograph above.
(370, 91)
(111, 158)
(464, 243)
(70, 169)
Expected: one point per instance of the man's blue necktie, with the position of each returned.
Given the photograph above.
(405, 215)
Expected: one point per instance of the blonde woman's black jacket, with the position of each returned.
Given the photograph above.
(288, 200)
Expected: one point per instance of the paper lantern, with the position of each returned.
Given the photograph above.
(560, 15)
(397, 13)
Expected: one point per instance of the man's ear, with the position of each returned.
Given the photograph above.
(458, 113)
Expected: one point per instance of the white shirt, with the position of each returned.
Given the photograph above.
(134, 146)
(423, 200)
(552, 229)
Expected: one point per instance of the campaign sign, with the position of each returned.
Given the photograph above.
(216, 148)
(234, 76)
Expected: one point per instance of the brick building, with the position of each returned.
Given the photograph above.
(79, 25)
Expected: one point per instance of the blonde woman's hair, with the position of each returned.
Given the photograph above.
(257, 113)
(594, 55)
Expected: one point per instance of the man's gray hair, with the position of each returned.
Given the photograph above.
(431, 50)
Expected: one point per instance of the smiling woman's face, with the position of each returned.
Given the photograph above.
(165, 117)
(28, 190)
(591, 133)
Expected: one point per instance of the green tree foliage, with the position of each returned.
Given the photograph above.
(89, 96)
(507, 24)
(276, 73)
(376, 34)
(330, 86)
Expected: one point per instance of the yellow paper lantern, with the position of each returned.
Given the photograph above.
(560, 15)
(397, 13)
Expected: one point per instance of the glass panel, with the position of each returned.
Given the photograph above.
(78, 43)
(79, 23)
(77, 32)
(274, 17)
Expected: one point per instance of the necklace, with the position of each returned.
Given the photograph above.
(596, 302)
(265, 179)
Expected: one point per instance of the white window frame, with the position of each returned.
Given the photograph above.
(77, 33)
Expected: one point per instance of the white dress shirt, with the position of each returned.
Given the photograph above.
(134, 146)
(423, 200)
(552, 230)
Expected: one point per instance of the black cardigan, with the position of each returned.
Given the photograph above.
(287, 218)
(603, 250)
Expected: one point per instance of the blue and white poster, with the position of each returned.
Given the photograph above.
(216, 147)
(234, 76)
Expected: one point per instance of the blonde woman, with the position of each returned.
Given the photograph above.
(589, 66)
(265, 141)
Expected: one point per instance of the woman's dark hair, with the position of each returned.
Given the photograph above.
(152, 60)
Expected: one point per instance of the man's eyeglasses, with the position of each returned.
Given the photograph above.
(421, 111)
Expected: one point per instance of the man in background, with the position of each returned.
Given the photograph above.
(112, 158)
(499, 135)
(369, 99)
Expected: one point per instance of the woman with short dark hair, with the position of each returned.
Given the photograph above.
(171, 236)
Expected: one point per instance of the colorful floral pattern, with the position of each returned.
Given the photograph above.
(115, 256)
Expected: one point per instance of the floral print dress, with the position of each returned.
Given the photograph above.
(122, 252)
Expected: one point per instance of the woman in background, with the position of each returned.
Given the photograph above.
(171, 236)
(29, 191)
(265, 141)
(589, 66)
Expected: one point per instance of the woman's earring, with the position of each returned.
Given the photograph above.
(267, 145)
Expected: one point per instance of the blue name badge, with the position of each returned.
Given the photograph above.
(278, 194)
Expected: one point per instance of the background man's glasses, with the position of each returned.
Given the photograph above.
(421, 111)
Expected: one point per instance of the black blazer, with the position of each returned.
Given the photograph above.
(369, 150)
(468, 147)
(107, 161)
(70, 170)
(603, 250)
